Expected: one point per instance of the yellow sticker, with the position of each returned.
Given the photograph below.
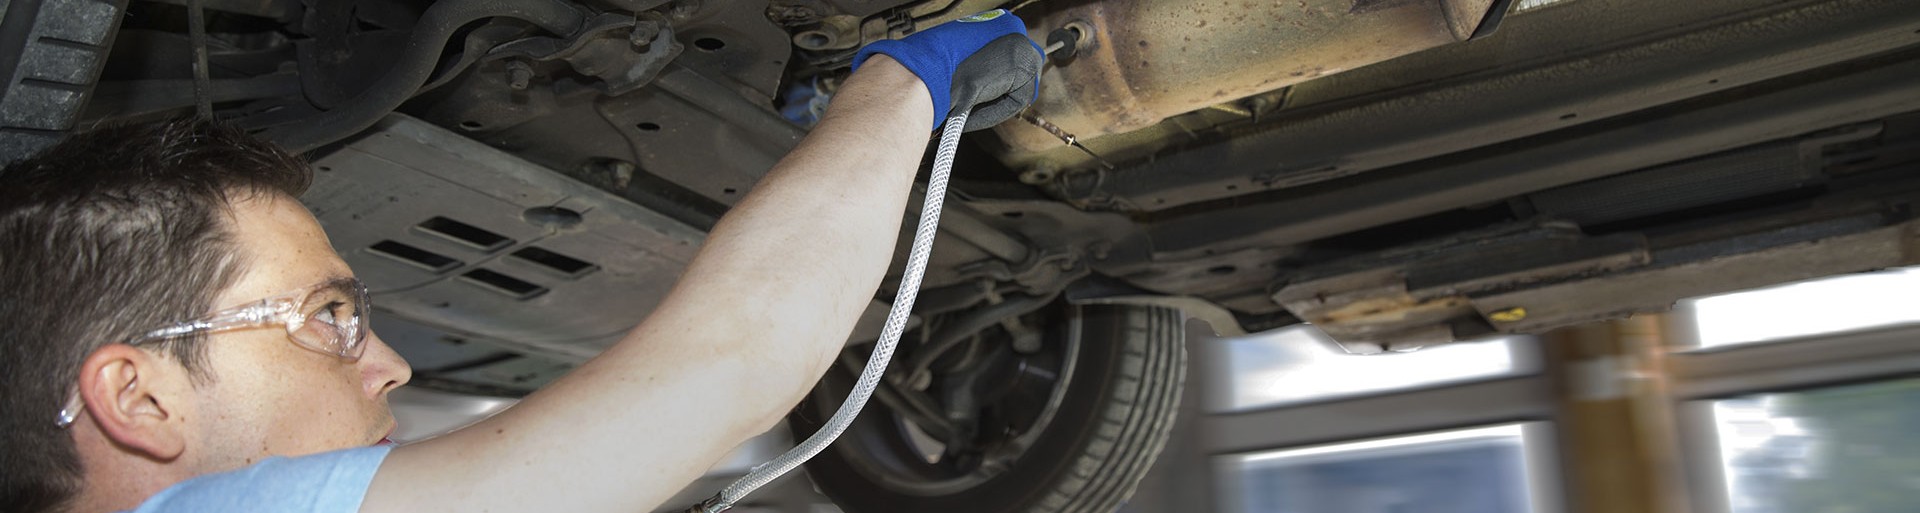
(1515, 314)
(989, 15)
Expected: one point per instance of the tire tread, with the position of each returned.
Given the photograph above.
(53, 53)
(1137, 416)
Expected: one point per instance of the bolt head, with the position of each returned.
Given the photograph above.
(643, 33)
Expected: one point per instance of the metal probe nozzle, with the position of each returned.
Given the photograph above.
(1064, 136)
(1061, 45)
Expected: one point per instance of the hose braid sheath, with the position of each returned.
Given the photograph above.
(889, 336)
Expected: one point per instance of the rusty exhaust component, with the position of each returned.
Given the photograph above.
(1143, 61)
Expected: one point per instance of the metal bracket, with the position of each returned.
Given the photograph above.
(1043, 272)
(624, 52)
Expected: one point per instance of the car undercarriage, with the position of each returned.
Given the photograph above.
(520, 181)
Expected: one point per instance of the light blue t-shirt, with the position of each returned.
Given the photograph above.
(332, 482)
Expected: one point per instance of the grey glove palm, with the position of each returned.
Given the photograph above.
(999, 80)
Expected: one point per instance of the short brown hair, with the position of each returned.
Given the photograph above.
(110, 233)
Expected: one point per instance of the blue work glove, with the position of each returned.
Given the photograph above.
(983, 62)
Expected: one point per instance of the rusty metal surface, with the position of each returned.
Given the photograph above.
(1474, 287)
(1562, 68)
(1421, 294)
(1411, 191)
(1147, 60)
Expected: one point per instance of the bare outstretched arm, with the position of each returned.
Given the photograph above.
(753, 323)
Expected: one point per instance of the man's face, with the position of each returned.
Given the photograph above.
(270, 396)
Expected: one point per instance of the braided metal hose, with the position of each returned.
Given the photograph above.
(882, 352)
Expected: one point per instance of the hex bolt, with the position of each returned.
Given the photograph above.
(519, 75)
(617, 173)
(620, 172)
(643, 34)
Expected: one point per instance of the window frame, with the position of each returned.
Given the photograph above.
(1779, 366)
(1699, 376)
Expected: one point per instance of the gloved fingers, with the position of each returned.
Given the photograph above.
(937, 55)
(989, 114)
(1000, 109)
(1003, 74)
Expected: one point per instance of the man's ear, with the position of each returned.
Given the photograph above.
(133, 397)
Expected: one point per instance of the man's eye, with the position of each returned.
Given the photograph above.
(326, 313)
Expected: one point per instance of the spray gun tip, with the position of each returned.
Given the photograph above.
(1064, 137)
(1096, 156)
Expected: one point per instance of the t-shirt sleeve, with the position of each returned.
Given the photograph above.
(333, 482)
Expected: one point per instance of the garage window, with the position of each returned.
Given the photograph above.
(1488, 470)
(1301, 364)
(1845, 448)
(1815, 307)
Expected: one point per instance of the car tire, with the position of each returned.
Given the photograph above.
(1113, 418)
(51, 53)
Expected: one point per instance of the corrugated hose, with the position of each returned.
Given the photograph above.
(882, 352)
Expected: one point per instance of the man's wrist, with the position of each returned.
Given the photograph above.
(884, 82)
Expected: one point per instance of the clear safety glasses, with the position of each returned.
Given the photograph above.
(328, 317)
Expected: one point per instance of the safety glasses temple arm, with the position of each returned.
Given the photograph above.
(273, 310)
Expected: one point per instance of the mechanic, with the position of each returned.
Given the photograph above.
(135, 261)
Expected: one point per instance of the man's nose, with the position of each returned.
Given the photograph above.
(381, 369)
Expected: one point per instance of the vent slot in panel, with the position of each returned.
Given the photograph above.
(511, 286)
(413, 256)
(565, 265)
(465, 234)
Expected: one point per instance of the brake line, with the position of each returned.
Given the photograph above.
(882, 352)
